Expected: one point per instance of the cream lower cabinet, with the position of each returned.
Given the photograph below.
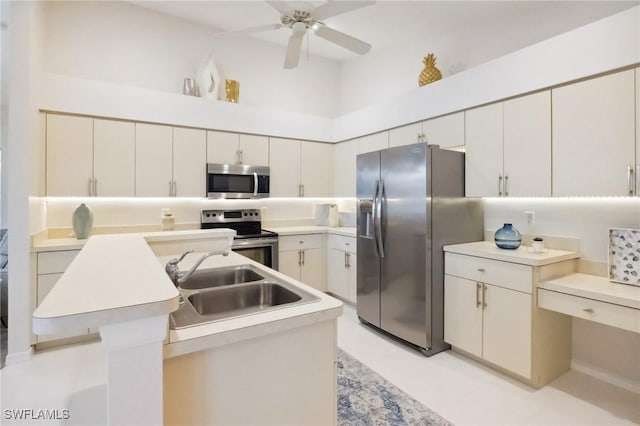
(301, 258)
(490, 313)
(342, 266)
(49, 268)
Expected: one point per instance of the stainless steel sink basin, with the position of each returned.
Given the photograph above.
(221, 293)
(242, 299)
(215, 277)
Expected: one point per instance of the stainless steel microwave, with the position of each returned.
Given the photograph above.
(237, 181)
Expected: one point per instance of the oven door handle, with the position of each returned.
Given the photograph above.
(255, 184)
(254, 242)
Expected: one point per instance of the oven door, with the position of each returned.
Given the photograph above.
(261, 250)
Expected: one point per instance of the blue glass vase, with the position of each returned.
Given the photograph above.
(508, 237)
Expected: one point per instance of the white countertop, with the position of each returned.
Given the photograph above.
(313, 229)
(115, 278)
(58, 244)
(522, 254)
(596, 288)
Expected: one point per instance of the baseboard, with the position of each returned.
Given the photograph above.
(18, 357)
(606, 376)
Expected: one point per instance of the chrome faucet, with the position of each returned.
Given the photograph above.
(177, 276)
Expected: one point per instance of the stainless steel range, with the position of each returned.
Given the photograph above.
(251, 240)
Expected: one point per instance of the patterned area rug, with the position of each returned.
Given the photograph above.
(366, 398)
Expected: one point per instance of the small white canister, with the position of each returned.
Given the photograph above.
(167, 220)
(537, 245)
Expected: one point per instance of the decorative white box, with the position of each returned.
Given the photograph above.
(624, 256)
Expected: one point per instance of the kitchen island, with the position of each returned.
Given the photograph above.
(271, 367)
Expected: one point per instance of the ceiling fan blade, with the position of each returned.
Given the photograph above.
(293, 49)
(247, 31)
(344, 40)
(333, 8)
(281, 6)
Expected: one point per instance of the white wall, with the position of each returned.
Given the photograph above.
(129, 45)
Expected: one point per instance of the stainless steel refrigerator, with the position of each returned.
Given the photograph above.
(410, 203)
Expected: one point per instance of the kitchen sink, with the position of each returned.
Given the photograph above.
(217, 294)
(242, 299)
(215, 277)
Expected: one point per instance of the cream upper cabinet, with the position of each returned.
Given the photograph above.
(154, 160)
(594, 136)
(446, 131)
(69, 155)
(234, 148)
(527, 146)
(189, 162)
(508, 148)
(87, 157)
(299, 168)
(284, 179)
(113, 158)
(483, 159)
(374, 142)
(315, 169)
(405, 135)
(344, 168)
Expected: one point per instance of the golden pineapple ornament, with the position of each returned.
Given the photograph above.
(430, 73)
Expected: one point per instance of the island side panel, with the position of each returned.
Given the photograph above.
(283, 378)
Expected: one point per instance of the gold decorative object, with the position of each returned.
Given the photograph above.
(232, 88)
(430, 73)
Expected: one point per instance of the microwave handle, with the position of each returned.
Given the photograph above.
(255, 184)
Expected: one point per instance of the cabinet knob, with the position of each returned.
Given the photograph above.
(480, 269)
(589, 310)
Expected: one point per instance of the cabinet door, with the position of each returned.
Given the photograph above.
(507, 329)
(344, 168)
(44, 286)
(154, 172)
(189, 162)
(463, 314)
(527, 146)
(352, 277)
(593, 136)
(311, 270)
(284, 179)
(446, 131)
(315, 169)
(222, 147)
(69, 155)
(289, 263)
(405, 135)
(254, 150)
(637, 173)
(483, 136)
(114, 158)
(337, 279)
(374, 142)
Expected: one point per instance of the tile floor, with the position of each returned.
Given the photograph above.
(467, 393)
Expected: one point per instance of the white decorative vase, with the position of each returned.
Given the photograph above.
(82, 221)
(209, 78)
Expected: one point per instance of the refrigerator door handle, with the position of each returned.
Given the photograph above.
(378, 223)
(374, 218)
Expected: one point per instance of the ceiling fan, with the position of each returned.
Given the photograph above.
(302, 18)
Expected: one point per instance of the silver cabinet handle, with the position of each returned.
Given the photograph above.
(630, 179)
(175, 189)
(478, 287)
(299, 190)
(506, 188)
(302, 190)
(345, 260)
(484, 296)
(588, 310)
(90, 187)
(170, 189)
(299, 257)
(638, 180)
(302, 251)
(500, 185)
(348, 260)
(95, 187)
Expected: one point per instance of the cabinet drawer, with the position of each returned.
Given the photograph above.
(340, 242)
(504, 274)
(298, 242)
(593, 310)
(55, 261)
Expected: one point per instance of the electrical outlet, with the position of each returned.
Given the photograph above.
(530, 217)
